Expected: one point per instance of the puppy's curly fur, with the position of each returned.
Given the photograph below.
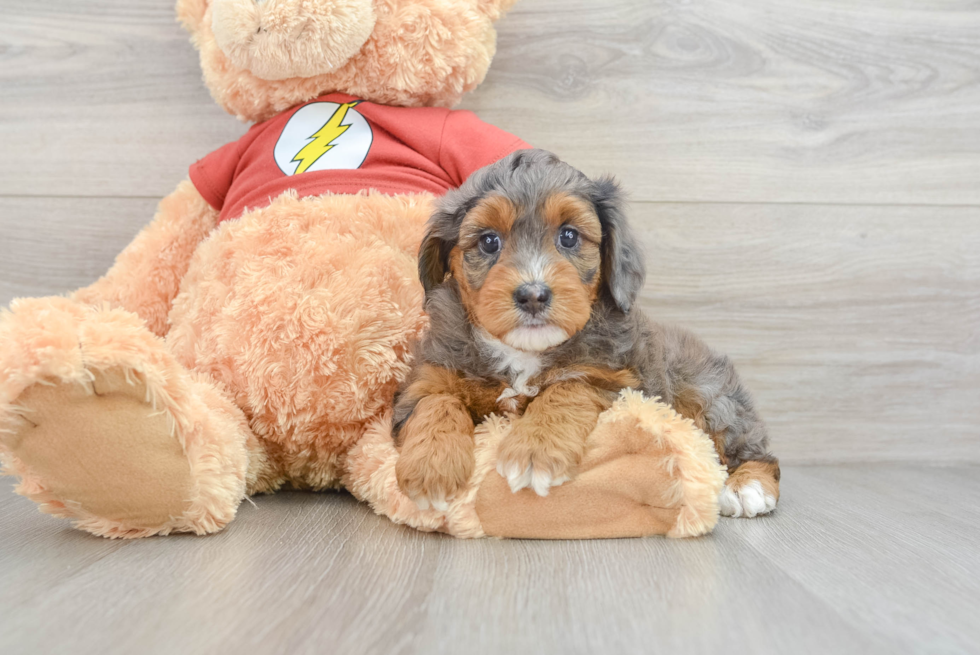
(531, 274)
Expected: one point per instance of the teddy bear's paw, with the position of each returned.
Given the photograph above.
(98, 451)
(746, 500)
(103, 426)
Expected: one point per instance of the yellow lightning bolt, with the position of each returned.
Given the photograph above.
(323, 138)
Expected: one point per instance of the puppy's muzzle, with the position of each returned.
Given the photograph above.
(532, 299)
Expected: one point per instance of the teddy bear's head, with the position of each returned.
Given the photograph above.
(261, 57)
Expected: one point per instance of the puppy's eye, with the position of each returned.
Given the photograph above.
(568, 238)
(489, 243)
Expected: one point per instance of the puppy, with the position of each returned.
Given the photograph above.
(531, 274)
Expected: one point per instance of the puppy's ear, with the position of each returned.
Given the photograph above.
(433, 260)
(441, 236)
(623, 267)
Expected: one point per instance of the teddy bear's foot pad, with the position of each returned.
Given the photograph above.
(101, 451)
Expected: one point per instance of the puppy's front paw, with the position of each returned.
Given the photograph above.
(433, 474)
(530, 458)
(746, 499)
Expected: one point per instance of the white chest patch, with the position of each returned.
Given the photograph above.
(519, 366)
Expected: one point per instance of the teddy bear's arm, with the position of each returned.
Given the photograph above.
(146, 275)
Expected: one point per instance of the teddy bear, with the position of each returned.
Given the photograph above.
(252, 336)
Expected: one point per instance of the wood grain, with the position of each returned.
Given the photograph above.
(902, 536)
(686, 100)
(101, 98)
(855, 560)
(823, 160)
(856, 327)
(749, 100)
(54, 245)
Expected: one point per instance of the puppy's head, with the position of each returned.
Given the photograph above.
(532, 243)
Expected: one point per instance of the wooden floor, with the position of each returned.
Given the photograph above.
(857, 559)
(806, 179)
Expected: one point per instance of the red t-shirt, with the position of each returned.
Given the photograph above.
(339, 144)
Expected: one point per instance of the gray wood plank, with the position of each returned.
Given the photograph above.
(711, 100)
(749, 100)
(631, 597)
(891, 548)
(856, 327)
(36, 552)
(101, 98)
(850, 562)
(54, 245)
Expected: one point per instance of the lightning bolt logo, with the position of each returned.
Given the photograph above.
(323, 139)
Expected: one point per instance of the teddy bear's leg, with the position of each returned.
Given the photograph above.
(147, 273)
(103, 426)
(647, 470)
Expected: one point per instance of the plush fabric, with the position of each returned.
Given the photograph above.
(647, 471)
(422, 53)
(220, 359)
(319, 304)
(64, 362)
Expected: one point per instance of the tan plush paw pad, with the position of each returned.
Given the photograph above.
(102, 450)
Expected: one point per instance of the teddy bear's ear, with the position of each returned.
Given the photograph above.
(190, 13)
(496, 8)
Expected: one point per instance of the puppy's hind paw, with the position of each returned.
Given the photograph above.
(746, 501)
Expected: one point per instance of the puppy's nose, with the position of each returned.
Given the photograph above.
(532, 298)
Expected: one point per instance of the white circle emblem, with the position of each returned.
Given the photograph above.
(323, 136)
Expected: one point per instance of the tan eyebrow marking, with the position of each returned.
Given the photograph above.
(565, 209)
(494, 212)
